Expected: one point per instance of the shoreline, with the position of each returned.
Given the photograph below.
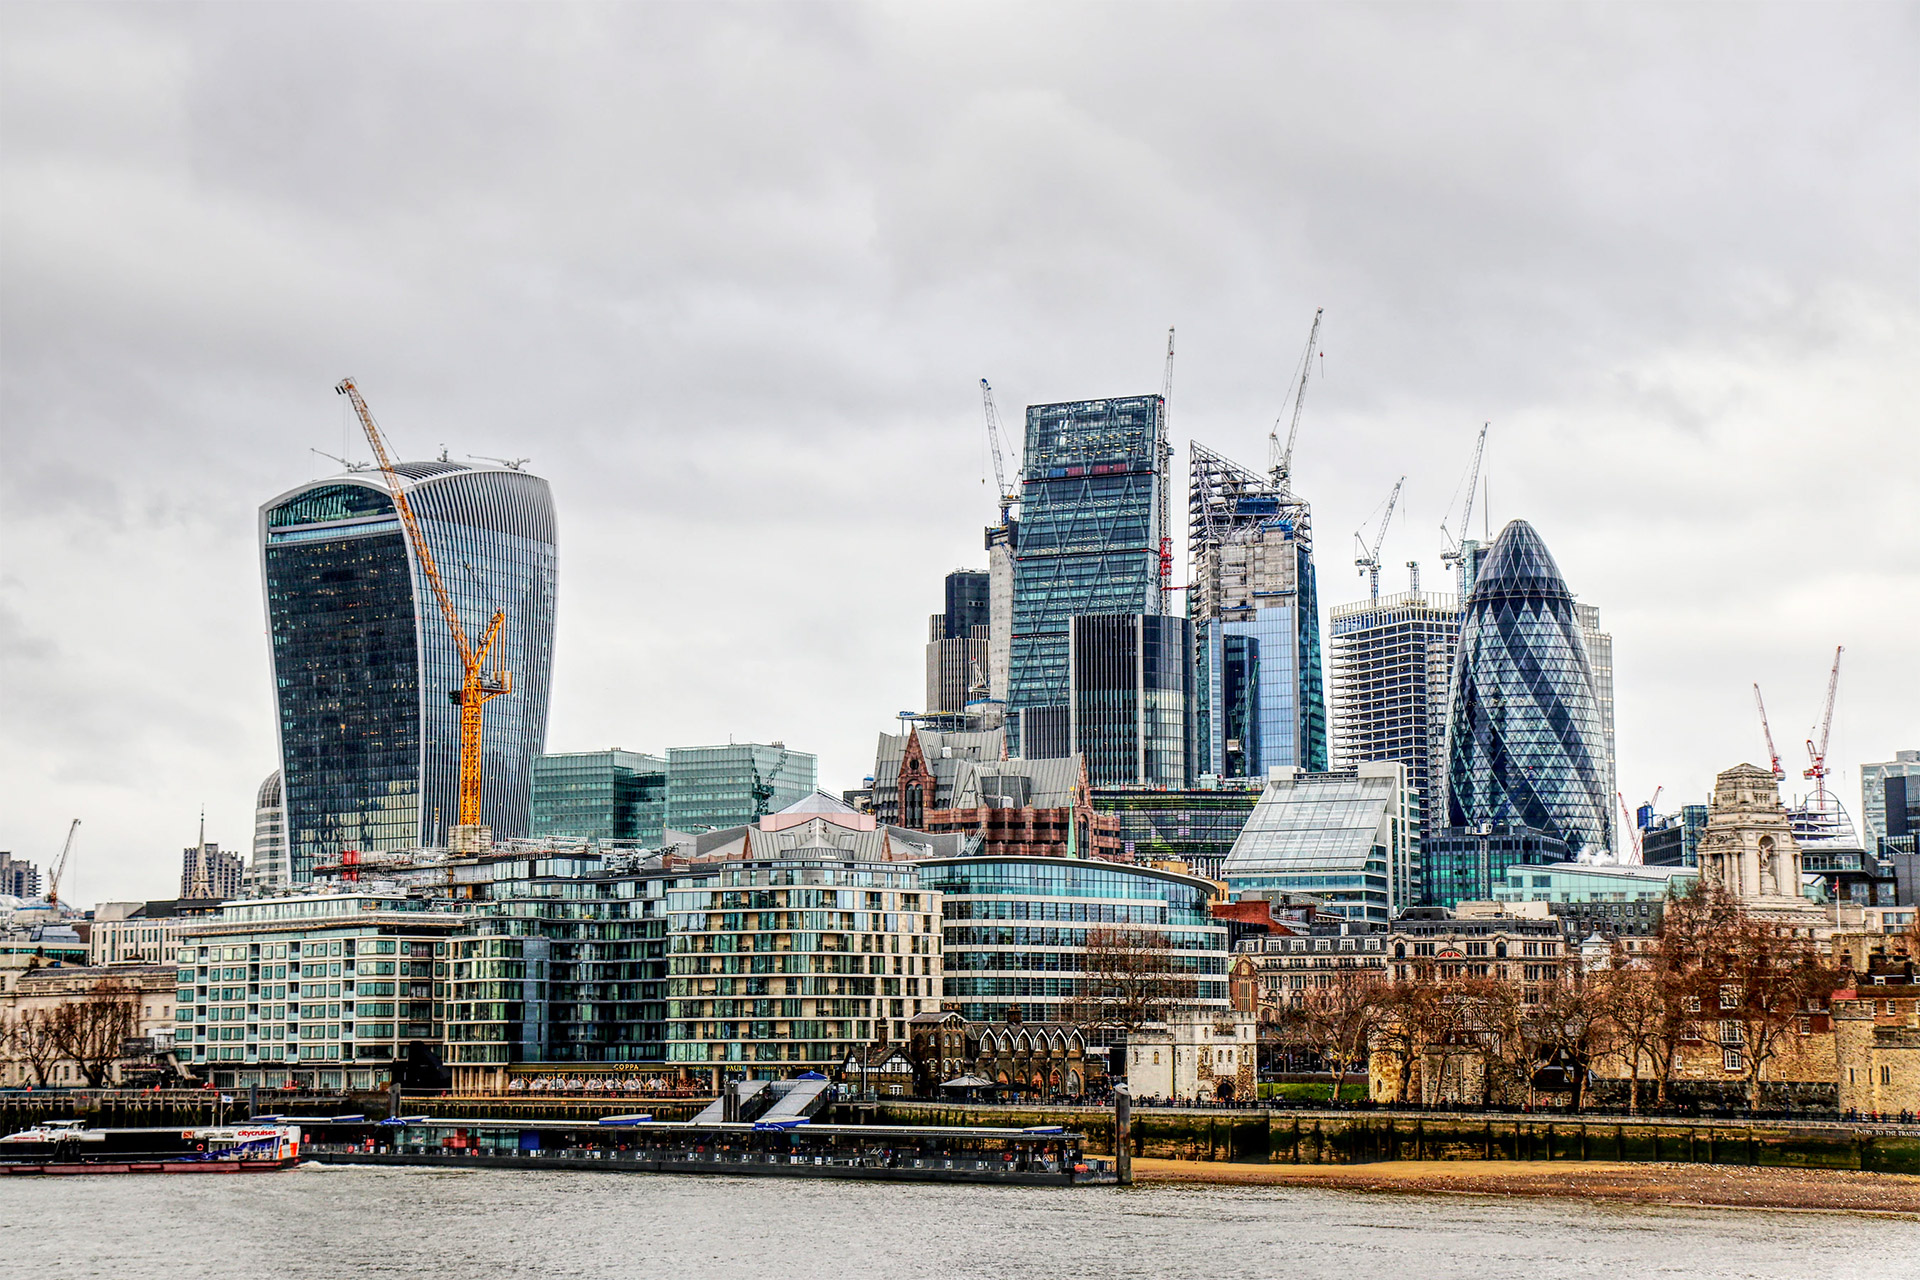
(1692, 1186)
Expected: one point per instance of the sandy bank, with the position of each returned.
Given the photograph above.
(1680, 1184)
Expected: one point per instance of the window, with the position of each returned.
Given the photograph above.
(1729, 997)
(1733, 1060)
(1806, 1026)
(1886, 1075)
(1691, 1004)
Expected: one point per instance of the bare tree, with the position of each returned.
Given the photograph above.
(1130, 980)
(92, 1029)
(1510, 1041)
(1768, 979)
(29, 1036)
(1336, 1020)
(1571, 1019)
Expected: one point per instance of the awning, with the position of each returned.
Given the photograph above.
(967, 1082)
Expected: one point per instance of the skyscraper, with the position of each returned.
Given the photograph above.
(1250, 544)
(1878, 802)
(1130, 684)
(1089, 539)
(1526, 747)
(1392, 658)
(364, 663)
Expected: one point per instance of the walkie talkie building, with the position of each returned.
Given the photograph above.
(363, 662)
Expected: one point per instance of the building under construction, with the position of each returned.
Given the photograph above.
(1255, 609)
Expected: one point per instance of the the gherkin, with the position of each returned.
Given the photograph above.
(1525, 742)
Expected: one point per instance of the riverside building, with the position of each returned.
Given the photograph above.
(363, 663)
(324, 990)
(1017, 929)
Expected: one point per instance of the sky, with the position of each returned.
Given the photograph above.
(730, 274)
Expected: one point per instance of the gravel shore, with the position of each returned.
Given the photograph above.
(1734, 1186)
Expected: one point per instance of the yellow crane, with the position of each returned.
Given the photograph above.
(60, 867)
(478, 685)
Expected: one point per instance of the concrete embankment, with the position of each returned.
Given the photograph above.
(1353, 1137)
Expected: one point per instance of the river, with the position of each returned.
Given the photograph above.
(337, 1223)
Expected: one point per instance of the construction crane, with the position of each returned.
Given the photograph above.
(478, 685)
(1773, 756)
(60, 867)
(346, 464)
(511, 464)
(1368, 560)
(1633, 833)
(1165, 466)
(1279, 460)
(1818, 755)
(1455, 553)
(996, 445)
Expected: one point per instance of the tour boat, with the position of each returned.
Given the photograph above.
(68, 1146)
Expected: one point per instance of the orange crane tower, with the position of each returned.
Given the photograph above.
(478, 686)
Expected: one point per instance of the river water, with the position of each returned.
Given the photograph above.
(337, 1223)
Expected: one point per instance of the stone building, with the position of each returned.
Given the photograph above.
(1876, 1033)
(39, 992)
(1748, 849)
(1037, 1061)
(1198, 1055)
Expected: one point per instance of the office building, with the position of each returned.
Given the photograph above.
(1194, 827)
(325, 991)
(600, 796)
(269, 867)
(1392, 660)
(957, 645)
(1527, 768)
(1017, 930)
(1129, 686)
(1889, 793)
(1260, 702)
(1673, 840)
(1600, 660)
(18, 877)
(728, 786)
(1609, 899)
(967, 604)
(1090, 541)
(1010, 808)
(364, 664)
(209, 873)
(1346, 838)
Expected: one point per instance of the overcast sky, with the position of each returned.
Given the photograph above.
(730, 277)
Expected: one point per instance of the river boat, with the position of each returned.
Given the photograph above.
(69, 1147)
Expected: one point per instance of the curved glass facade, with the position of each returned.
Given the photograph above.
(1526, 746)
(363, 663)
(1015, 929)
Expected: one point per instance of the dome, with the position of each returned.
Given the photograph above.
(1519, 563)
(269, 797)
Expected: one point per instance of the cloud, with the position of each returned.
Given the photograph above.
(730, 275)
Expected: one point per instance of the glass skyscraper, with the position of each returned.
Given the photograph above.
(730, 786)
(600, 795)
(1089, 540)
(1131, 685)
(1526, 745)
(363, 662)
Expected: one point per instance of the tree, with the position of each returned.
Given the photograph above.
(29, 1036)
(93, 1028)
(1336, 1020)
(1571, 1018)
(1768, 979)
(1510, 1041)
(1129, 980)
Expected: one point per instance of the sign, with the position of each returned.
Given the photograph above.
(137, 1047)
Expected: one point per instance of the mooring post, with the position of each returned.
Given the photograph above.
(1123, 1135)
(393, 1100)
